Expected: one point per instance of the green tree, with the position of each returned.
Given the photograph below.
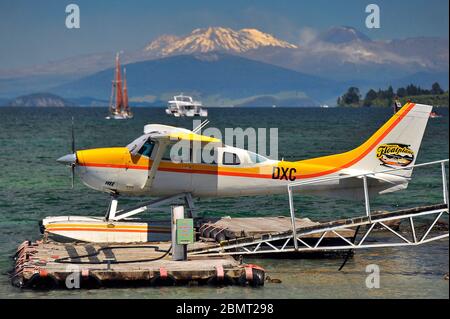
(371, 95)
(352, 97)
(436, 89)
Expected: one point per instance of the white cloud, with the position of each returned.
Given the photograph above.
(307, 35)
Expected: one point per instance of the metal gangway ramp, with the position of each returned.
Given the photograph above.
(294, 241)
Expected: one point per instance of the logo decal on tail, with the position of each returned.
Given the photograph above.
(395, 154)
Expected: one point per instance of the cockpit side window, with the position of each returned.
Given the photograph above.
(230, 159)
(256, 158)
(147, 148)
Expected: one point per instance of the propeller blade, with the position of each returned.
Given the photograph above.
(72, 168)
(72, 165)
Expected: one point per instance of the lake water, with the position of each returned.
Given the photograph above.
(33, 185)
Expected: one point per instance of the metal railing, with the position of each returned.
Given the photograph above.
(365, 185)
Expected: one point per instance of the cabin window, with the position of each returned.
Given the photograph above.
(230, 159)
(147, 148)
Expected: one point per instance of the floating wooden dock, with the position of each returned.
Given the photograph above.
(49, 264)
(53, 265)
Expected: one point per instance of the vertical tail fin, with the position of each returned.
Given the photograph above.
(396, 144)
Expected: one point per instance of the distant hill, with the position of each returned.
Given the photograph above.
(40, 100)
(214, 77)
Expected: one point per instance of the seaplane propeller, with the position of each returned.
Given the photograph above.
(70, 159)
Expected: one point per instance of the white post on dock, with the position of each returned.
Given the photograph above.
(366, 198)
(179, 252)
(444, 183)
(292, 210)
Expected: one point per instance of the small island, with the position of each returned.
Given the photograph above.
(40, 100)
(435, 96)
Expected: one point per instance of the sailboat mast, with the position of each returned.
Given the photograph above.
(111, 98)
(119, 100)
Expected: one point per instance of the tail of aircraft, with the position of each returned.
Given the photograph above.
(396, 144)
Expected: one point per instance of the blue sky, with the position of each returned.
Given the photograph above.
(34, 32)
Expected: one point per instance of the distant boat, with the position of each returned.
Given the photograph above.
(434, 115)
(183, 105)
(118, 103)
(324, 106)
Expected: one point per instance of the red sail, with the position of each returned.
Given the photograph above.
(125, 90)
(119, 100)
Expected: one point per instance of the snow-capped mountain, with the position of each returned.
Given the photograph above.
(215, 39)
(341, 54)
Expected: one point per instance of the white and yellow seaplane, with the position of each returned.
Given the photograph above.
(145, 167)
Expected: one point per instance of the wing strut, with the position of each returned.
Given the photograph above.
(116, 215)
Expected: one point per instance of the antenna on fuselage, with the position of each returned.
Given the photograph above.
(201, 126)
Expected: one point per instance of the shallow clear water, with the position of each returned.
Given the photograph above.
(33, 185)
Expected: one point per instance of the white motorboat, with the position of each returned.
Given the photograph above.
(183, 105)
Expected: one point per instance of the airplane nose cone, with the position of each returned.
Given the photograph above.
(69, 159)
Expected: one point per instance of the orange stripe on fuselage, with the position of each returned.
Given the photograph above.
(315, 167)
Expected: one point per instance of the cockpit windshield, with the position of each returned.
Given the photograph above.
(256, 158)
(147, 148)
